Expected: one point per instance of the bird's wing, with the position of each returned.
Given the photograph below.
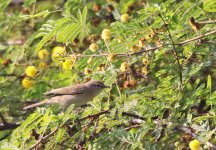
(70, 90)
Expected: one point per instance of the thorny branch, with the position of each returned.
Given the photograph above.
(81, 119)
(175, 51)
(150, 49)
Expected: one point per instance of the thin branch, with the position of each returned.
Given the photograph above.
(198, 37)
(150, 49)
(133, 115)
(81, 119)
(95, 115)
(44, 138)
(7, 126)
(175, 52)
(207, 22)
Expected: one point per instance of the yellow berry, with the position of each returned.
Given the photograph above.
(31, 71)
(135, 49)
(87, 71)
(101, 67)
(124, 66)
(145, 61)
(124, 18)
(93, 47)
(67, 64)
(43, 54)
(194, 145)
(27, 83)
(141, 43)
(42, 65)
(112, 57)
(105, 34)
(119, 40)
(145, 70)
(58, 51)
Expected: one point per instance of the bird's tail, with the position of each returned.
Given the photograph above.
(35, 105)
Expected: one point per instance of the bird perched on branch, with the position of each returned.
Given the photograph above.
(78, 94)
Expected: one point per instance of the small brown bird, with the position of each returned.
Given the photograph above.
(78, 94)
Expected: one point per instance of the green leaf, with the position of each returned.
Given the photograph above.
(84, 14)
(27, 3)
(209, 5)
(209, 82)
(46, 38)
(4, 4)
(69, 32)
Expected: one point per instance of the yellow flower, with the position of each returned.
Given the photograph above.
(42, 65)
(105, 34)
(145, 61)
(141, 43)
(67, 64)
(112, 57)
(58, 51)
(87, 71)
(31, 71)
(27, 83)
(124, 66)
(43, 54)
(194, 145)
(93, 47)
(135, 49)
(125, 18)
(145, 70)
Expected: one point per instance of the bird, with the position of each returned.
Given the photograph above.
(78, 94)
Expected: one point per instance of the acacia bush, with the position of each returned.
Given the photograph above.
(158, 57)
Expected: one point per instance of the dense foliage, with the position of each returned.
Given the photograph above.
(158, 56)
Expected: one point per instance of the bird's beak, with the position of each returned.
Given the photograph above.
(106, 86)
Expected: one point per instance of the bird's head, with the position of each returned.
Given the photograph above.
(96, 85)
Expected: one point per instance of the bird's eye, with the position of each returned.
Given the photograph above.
(97, 85)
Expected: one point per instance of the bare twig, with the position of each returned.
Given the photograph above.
(150, 49)
(44, 138)
(175, 52)
(198, 37)
(5, 125)
(207, 22)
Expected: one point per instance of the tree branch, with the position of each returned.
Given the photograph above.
(5, 125)
(175, 52)
(150, 49)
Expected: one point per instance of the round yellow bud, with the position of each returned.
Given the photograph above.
(101, 67)
(43, 54)
(145, 70)
(31, 71)
(125, 18)
(112, 57)
(42, 65)
(93, 47)
(105, 34)
(124, 66)
(87, 71)
(135, 49)
(58, 51)
(145, 61)
(27, 83)
(141, 43)
(67, 64)
(194, 145)
(119, 40)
